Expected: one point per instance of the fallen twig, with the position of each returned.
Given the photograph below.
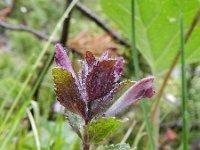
(24, 28)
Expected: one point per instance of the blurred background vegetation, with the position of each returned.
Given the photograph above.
(29, 117)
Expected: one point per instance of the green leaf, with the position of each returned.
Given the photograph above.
(115, 147)
(75, 122)
(157, 28)
(103, 128)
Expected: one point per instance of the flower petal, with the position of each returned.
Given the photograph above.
(141, 89)
(67, 91)
(62, 60)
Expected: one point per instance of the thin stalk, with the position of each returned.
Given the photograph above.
(133, 46)
(137, 74)
(59, 134)
(128, 133)
(54, 131)
(34, 128)
(138, 135)
(184, 86)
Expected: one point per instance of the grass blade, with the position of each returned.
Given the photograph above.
(59, 134)
(34, 128)
(15, 122)
(137, 74)
(184, 87)
(130, 129)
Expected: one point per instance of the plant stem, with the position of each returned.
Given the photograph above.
(184, 86)
(137, 74)
(85, 146)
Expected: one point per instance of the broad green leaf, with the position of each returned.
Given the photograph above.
(99, 130)
(115, 147)
(157, 28)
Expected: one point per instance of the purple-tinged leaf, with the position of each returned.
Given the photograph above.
(100, 80)
(119, 68)
(82, 80)
(94, 72)
(142, 89)
(90, 59)
(83, 72)
(100, 105)
(62, 60)
(67, 91)
(104, 56)
(87, 66)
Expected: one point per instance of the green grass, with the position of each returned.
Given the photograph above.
(137, 74)
(20, 94)
(19, 76)
(184, 87)
(34, 128)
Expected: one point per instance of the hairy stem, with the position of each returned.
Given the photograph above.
(85, 146)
